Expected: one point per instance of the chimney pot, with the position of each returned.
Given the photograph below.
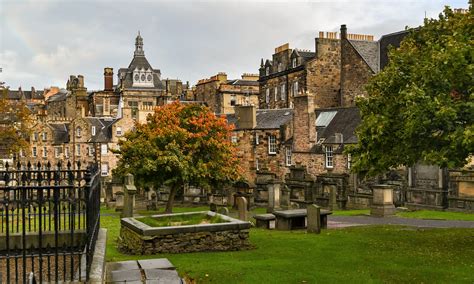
(108, 79)
(343, 32)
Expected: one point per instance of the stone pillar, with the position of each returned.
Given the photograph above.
(242, 207)
(314, 219)
(274, 193)
(382, 204)
(129, 200)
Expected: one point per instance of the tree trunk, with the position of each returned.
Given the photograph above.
(169, 204)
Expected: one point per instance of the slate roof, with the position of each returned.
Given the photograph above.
(103, 128)
(345, 121)
(369, 51)
(61, 96)
(267, 118)
(393, 39)
(32, 94)
(240, 82)
(60, 132)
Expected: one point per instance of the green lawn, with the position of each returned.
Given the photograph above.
(356, 255)
(437, 215)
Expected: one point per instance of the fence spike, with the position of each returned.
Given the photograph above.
(6, 165)
(68, 165)
(28, 166)
(48, 165)
(38, 165)
(18, 165)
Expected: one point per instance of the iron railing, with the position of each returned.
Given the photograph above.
(49, 222)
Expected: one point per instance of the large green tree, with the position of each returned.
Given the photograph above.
(180, 144)
(420, 107)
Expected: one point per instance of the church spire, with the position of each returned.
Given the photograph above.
(139, 46)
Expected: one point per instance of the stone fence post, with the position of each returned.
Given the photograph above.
(129, 201)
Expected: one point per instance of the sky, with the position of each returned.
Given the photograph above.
(42, 42)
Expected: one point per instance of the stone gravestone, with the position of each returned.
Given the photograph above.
(242, 208)
(224, 211)
(129, 200)
(153, 202)
(314, 219)
(382, 203)
(273, 196)
(119, 201)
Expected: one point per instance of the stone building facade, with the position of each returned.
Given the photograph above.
(222, 95)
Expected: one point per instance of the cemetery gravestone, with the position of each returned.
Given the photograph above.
(242, 208)
(314, 219)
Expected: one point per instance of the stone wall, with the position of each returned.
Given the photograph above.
(230, 240)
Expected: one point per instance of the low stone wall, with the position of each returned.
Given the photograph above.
(138, 238)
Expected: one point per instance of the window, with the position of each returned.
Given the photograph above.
(256, 139)
(275, 92)
(294, 62)
(57, 152)
(22, 153)
(295, 88)
(288, 156)
(78, 150)
(66, 152)
(257, 165)
(283, 92)
(267, 96)
(329, 153)
(103, 149)
(90, 151)
(148, 104)
(33, 151)
(233, 100)
(78, 132)
(45, 152)
(280, 67)
(119, 130)
(104, 170)
(35, 136)
(93, 130)
(272, 145)
(349, 161)
(233, 139)
(44, 136)
(267, 71)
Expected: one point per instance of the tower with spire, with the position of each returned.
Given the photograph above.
(139, 46)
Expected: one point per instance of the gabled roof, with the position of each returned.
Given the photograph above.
(369, 51)
(61, 96)
(103, 128)
(240, 82)
(60, 132)
(267, 118)
(345, 121)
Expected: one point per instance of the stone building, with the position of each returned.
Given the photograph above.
(222, 95)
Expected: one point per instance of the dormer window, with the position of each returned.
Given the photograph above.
(294, 63)
(267, 71)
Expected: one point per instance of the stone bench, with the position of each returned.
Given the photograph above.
(266, 221)
(296, 219)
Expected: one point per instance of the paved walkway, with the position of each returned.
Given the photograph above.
(159, 271)
(347, 221)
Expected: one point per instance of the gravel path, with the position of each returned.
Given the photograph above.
(345, 221)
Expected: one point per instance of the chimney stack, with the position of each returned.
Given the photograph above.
(246, 116)
(108, 79)
(343, 32)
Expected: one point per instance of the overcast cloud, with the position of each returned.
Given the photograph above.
(45, 41)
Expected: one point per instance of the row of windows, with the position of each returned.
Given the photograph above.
(329, 158)
(58, 150)
(44, 136)
(294, 89)
(294, 63)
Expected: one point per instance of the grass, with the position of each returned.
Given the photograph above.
(182, 220)
(373, 254)
(437, 215)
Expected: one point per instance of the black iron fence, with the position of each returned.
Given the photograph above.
(49, 222)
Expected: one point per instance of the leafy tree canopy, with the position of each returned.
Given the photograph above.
(421, 106)
(14, 125)
(180, 144)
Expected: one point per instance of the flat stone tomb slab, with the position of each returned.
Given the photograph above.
(165, 276)
(291, 213)
(125, 275)
(160, 263)
(265, 216)
(122, 265)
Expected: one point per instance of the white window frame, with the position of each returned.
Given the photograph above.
(329, 157)
(66, 152)
(44, 136)
(257, 166)
(104, 149)
(57, 151)
(349, 161)
(104, 169)
(34, 151)
(288, 153)
(295, 88)
(267, 95)
(45, 152)
(93, 131)
(78, 150)
(283, 92)
(118, 131)
(35, 136)
(234, 138)
(275, 92)
(78, 131)
(257, 141)
(272, 144)
(294, 62)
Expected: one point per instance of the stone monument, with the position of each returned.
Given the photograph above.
(314, 219)
(242, 208)
(382, 203)
(129, 197)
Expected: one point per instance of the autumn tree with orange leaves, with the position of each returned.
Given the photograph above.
(180, 144)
